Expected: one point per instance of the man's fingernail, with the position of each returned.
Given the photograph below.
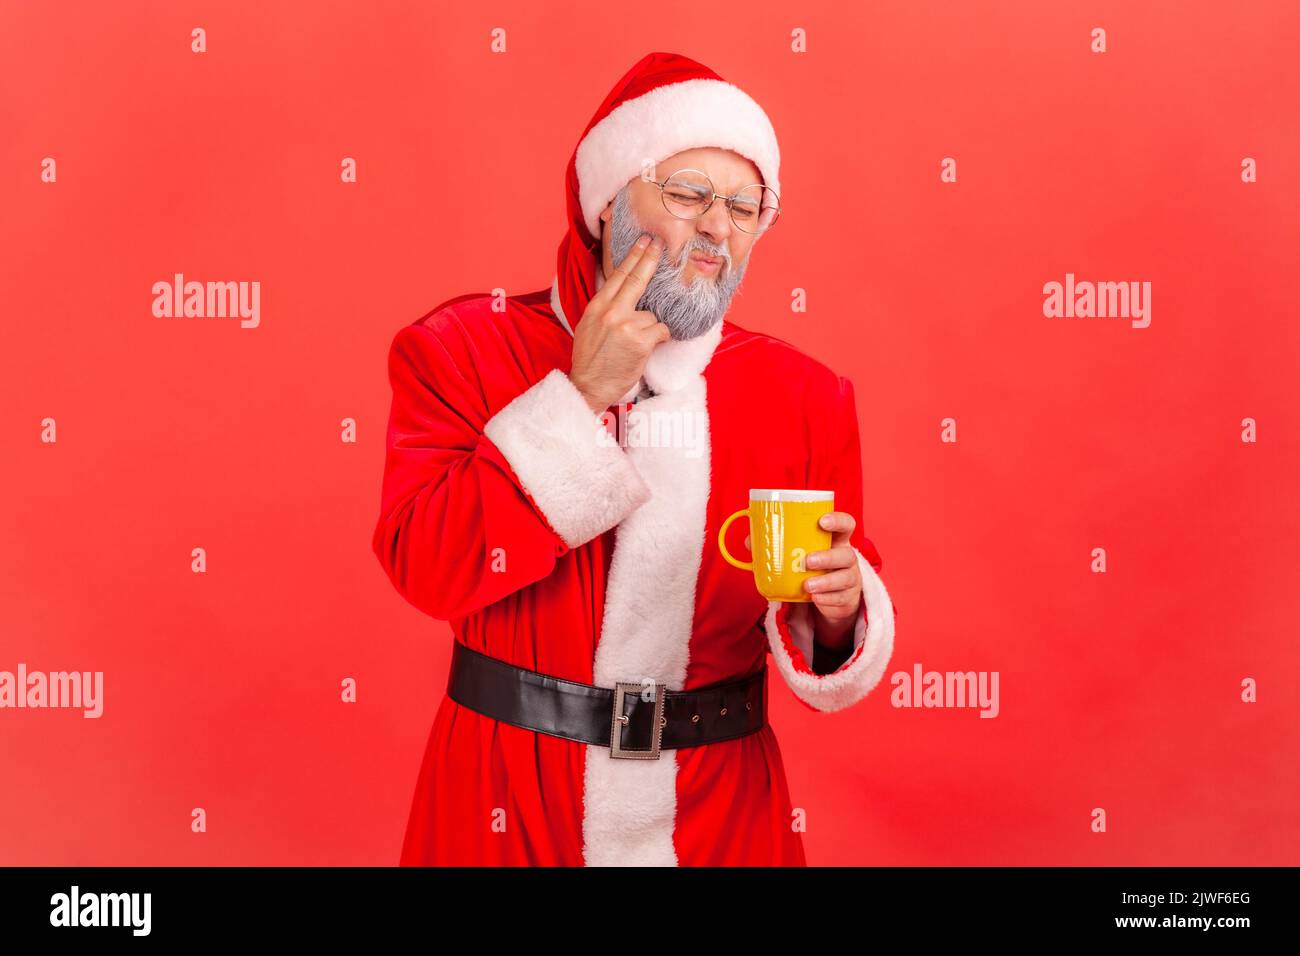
(643, 241)
(826, 521)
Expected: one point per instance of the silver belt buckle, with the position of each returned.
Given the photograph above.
(621, 720)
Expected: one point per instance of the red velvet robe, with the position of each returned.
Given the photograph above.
(504, 513)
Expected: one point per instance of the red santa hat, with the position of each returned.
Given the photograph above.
(665, 104)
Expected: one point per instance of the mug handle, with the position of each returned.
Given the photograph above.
(722, 542)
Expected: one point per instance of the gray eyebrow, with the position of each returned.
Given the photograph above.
(693, 187)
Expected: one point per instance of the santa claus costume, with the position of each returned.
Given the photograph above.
(596, 562)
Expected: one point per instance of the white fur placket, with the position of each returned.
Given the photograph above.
(630, 806)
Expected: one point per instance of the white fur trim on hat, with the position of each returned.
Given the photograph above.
(665, 121)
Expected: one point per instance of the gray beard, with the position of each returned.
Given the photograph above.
(690, 309)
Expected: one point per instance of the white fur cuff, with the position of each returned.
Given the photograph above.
(577, 475)
(790, 636)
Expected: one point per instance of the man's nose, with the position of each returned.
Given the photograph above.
(716, 222)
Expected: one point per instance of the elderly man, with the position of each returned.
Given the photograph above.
(607, 703)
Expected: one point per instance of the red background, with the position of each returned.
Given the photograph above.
(1118, 690)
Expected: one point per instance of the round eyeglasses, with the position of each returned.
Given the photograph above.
(688, 194)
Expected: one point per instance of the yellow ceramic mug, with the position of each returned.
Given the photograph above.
(783, 531)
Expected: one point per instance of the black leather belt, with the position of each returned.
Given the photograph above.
(622, 717)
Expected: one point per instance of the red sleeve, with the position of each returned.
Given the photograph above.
(821, 681)
(840, 468)
(462, 526)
